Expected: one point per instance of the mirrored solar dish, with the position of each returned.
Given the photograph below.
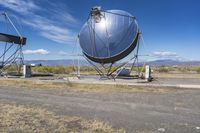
(109, 36)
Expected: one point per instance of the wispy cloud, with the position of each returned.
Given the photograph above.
(37, 51)
(62, 53)
(166, 55)
(51, 31)
(54, 24)
(21, 6)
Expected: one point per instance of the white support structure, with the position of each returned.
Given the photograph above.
(27, 71)
(148, 77)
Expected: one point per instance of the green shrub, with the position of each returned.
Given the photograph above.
(163, 69)
(12, 68)
(141, 69)
(197, 69)
(54, 69)
(86, 68)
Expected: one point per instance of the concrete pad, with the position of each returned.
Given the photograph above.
(132, 82)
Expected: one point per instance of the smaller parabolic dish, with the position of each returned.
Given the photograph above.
(108, 36)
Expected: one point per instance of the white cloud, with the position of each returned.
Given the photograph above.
(37, 51)
(51, 31)
(165, 54)
(54, 25)
(62, 53)
(21, 6)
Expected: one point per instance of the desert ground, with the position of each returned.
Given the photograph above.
(35, 105)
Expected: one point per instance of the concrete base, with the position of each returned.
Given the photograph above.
(132, 82)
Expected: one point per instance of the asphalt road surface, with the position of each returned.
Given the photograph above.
(145, 112)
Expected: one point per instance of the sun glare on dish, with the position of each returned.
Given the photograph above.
(102, 24)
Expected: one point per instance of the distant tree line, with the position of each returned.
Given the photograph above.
(90, 70)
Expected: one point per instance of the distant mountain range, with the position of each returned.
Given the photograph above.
(55, 62)
(173, 62)
(50, 62)
(83, 62)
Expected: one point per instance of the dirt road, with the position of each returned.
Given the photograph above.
(151, 112)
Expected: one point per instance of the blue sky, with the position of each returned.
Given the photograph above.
(170, 28)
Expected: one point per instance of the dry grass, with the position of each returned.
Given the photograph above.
(176, 75)
(120, 88)
(146, 132)
(18, 118)
(77, 87)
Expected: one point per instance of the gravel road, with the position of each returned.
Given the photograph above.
(171, 112)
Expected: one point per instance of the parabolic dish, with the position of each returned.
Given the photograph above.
(109, 37)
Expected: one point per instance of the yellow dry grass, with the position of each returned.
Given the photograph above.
(177, 75)
(24, 119)
(146, 132)
(47, 84)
